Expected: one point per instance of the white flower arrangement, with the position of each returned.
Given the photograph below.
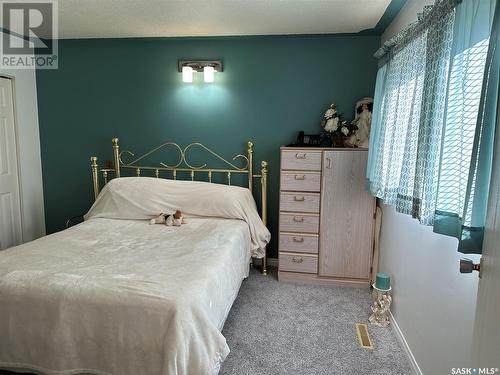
(331, 124)
(330, 112)
(334, 128)
(330, 121)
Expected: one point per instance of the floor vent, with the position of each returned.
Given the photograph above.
(364, 336)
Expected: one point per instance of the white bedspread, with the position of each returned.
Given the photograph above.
(122, 297)
(147, 197)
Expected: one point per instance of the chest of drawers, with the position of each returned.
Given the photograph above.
(326, 217)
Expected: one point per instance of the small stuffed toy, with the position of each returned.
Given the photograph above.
(175, 219)
(160, 219)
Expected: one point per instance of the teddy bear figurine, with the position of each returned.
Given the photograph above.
(176, 219)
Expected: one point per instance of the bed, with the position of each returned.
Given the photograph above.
(115, 295)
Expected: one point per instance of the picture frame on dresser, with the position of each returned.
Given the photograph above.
(326, 217)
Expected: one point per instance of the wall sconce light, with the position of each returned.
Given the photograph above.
(187, 74)
(208, 67)
(208, 74)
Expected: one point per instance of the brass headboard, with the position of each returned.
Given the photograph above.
(183, 165)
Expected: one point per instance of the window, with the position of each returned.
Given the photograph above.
(431, 139)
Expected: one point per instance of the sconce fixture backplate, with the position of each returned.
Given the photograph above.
(198, 65)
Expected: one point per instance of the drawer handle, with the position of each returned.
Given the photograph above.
(300, 177)
(301, 156)
(297, 259)
(299, 199)
(329, 165)
(298, 239)
(298, 219)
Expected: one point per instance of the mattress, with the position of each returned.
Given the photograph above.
(122, 297)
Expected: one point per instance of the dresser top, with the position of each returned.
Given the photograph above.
(323, 148)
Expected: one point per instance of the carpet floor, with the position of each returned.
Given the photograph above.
(282, 328)
(285, 328)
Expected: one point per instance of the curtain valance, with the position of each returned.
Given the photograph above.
(430, 15)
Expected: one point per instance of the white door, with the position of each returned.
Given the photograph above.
(486, 345)
(10, 205)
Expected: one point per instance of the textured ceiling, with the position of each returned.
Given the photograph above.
(166, 18)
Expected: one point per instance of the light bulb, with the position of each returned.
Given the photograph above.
(187, 74)
(208, 74)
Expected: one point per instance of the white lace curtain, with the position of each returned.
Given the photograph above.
(428, 150)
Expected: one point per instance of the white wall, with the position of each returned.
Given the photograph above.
(30, 173)
(434, 305)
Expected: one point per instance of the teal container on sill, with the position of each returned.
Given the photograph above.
(383, 281)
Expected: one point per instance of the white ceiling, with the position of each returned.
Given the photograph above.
(163, 18)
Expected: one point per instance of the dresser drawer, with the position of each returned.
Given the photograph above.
(299, 202)
(300, 181)
(303, 223)
(298, 263)
(301, 160)
(300, 243)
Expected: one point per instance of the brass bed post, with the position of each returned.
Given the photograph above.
(250, 164)
(263, 183)
(116, 154)
(95, 175)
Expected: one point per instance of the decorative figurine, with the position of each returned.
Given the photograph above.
(362, 121)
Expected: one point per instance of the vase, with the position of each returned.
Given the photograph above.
(337, 141)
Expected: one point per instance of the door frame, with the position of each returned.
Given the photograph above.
(16, 136)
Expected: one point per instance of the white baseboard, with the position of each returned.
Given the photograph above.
(271, 262)
(404, 344)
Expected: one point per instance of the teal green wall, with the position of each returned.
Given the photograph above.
(271, 88)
